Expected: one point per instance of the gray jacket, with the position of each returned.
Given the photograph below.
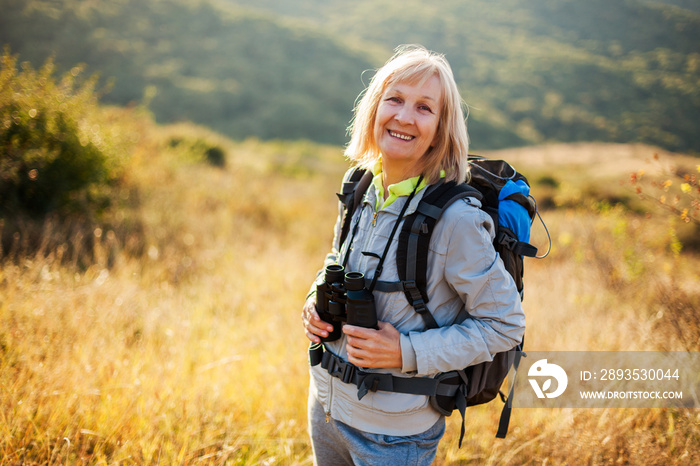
(464, 273)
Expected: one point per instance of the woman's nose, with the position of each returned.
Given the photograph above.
(404, 115)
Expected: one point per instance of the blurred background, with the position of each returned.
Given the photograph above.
(167, 180)
(532, 71)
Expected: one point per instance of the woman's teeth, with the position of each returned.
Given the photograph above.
(401, 136)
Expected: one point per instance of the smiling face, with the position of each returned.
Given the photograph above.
(406, 123)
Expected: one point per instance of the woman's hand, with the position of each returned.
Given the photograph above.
(313, 325)
(378, 349)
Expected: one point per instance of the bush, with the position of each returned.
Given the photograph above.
(53, 155)
(197, 149)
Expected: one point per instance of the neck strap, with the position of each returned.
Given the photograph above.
(380, 266)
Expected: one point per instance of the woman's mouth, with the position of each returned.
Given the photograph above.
(404, 137)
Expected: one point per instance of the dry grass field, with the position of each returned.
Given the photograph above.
(192, 352)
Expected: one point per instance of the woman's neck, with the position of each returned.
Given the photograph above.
(392, 174)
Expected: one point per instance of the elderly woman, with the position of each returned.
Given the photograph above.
(409, 130)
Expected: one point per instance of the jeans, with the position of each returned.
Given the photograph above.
(335, 443)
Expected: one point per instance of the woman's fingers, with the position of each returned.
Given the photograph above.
(315, 328)
(374, 348)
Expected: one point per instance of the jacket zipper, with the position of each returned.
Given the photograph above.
(330, 398)
(362, 264)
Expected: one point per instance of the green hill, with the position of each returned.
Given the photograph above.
(532, 71)
(543, 70)
(692, 5)
(243, 74)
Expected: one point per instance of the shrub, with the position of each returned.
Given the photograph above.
(197, 149)
(216, 156)
(53, 156)
(548, 180)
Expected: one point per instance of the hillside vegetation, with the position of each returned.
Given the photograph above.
(532, 71)
(161, 325)
(240, 73)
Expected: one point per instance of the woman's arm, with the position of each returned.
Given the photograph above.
(495, 322)
(314, 327)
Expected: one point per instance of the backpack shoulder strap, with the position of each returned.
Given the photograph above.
(355, 184)
(414, 241)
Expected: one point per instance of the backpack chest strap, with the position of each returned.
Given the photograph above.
(413, 294)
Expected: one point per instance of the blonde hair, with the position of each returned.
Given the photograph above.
(414, 65)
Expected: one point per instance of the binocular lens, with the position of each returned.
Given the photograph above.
(354, 281)
(335, 273)
(343, 297)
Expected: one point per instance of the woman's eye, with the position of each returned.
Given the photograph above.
(426, 108)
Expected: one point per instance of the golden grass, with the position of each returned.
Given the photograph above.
(193, 352)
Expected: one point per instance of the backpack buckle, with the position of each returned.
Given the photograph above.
(507, 240)
(342, 370)
(348, 373)
(419, 306)
(416, 300)
(410, 287)
(338, 368)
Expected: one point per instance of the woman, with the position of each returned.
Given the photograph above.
(409, 130)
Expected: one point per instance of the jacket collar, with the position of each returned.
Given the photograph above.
(371, 197)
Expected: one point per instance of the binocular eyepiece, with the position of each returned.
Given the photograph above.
(343, 297)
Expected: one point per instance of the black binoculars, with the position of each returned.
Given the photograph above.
(343, 297)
